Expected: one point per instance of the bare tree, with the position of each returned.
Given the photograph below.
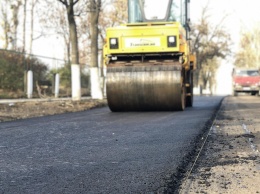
(208, 72)
(249, 49)
(15, 6)
(94, 9)
(54, 18)
(24, 24)
(33, 4)
(5, 23)
(10, 10)
(112, 14)
(69, 4)
(209, 42)
(75, 68)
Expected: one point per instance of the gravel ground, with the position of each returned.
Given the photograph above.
(230, 160)
(14, 110)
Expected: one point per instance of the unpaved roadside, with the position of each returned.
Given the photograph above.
(230, 160)
(27, 109)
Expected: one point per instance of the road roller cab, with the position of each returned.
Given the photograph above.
(149, 64)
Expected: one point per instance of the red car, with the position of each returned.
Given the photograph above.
(246, 80)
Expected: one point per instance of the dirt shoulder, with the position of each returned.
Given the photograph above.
(230, 161)
(21, 110)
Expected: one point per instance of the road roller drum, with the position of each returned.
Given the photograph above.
(145, 88)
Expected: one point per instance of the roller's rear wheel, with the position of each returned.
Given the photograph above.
(189, 97)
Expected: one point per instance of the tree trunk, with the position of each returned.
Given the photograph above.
(75, 68)
(96, 90)
(68, 52)
(5, 25)
(94, 15)
(32, 26)
(73, 36)
(15, 22)
(24, 24)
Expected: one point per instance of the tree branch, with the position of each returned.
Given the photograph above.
(64, 2)
(74, 3)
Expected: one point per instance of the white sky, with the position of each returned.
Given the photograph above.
(242, 15)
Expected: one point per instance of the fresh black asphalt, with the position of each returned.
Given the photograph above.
(98, 151)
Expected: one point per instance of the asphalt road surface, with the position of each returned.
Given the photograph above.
(98, 151)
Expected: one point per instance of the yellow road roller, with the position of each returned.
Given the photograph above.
(148, 60)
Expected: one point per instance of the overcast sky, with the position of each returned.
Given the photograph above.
(242, 15)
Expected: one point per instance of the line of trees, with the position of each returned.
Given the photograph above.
(81, 25)
(211, 42)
